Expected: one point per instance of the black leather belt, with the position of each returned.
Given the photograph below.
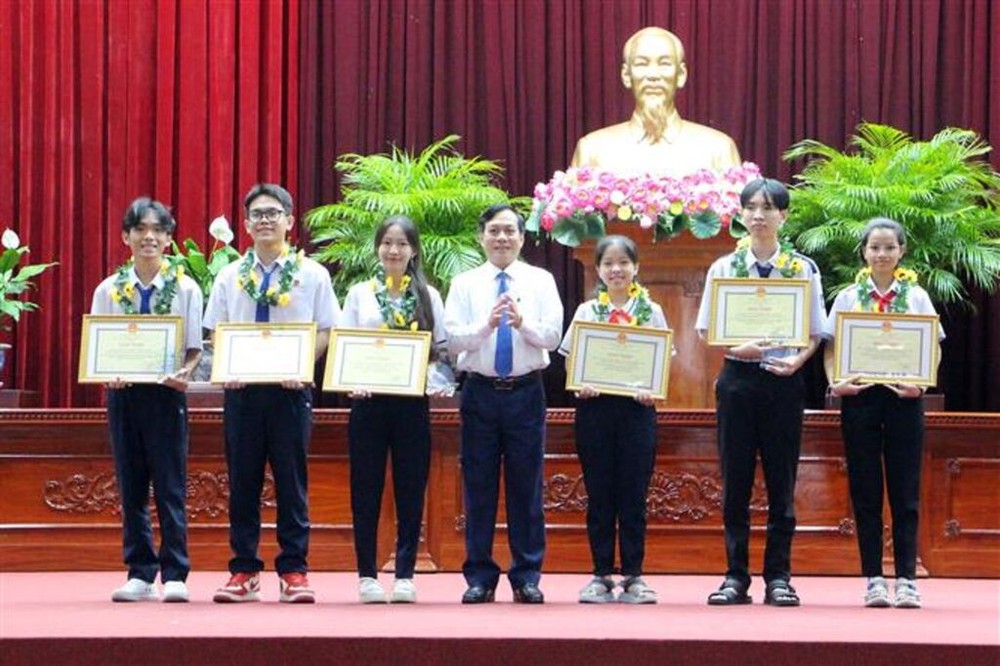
(508, 384)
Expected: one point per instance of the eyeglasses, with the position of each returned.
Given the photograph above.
(269, 214)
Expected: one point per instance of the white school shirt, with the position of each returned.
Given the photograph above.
(585, 313)
(723, 268)
(917, 302)
(312, 297)
(187, 302)
(471, 340)
(361, 310)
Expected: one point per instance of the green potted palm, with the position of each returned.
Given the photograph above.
(439, 189)
(15, 280)
(942, 191)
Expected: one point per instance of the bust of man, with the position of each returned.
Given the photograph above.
(655, 140)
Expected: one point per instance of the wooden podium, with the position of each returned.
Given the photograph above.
(674, 272)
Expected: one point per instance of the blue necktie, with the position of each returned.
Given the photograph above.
(145, 295)
(503, 361)
(764, 270)
(263, 307)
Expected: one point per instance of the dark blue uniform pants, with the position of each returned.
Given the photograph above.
(758, 412)
(266, 424)
(877, 423)
(378, 425)
(505, 425)
(149, 438)
(616, 443)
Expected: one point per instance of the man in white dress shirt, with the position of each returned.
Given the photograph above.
(502, 319)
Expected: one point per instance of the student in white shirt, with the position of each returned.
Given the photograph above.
(883, 422)
(616, 435)
(148, 422)
(399, 298)
(270, 424)
(502, 319)
(760, 399)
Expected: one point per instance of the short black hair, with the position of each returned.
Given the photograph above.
(775, 192)
(495, 210)
(143, 206)
(270, 190)
(615, 240)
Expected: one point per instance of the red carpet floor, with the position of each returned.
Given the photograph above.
(56, 618)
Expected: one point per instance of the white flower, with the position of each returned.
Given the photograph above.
(220, 231)
(646, 222)
(10, 239)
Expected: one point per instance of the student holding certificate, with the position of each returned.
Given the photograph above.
(760, 397)
(269, 423)
(399, 298)
(883, 421)
(616, 435)
(148, 422)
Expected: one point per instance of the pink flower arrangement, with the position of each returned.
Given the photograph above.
(577, 203)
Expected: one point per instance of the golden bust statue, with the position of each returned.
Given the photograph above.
(655, 139)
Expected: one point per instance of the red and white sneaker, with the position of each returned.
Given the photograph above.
(241, 587)
(295, 589)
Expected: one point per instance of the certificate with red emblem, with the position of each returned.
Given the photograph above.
(619, 360)
(882, 348)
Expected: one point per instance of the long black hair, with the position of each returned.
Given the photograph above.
(414, 268)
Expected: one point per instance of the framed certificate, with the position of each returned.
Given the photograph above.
(264, 353)
(882, 348)
(748, 309)
(137, 349)
(380, 361)
(619, 360)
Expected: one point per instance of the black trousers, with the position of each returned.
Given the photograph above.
(758, 412)
(616, 443)
(149, 439)
(505, 425)
(877, 424)
(380, 425)
(266, 424)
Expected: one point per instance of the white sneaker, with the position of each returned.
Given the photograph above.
(370, 592)
(175, 591)
(877, 593)
(906, 594)
(136, 589)
(404, 591)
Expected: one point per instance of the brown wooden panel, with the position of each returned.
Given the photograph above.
(58, 503)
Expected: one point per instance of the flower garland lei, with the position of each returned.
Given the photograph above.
(787, 263)
(904, 277)
(402, 317)
(248, 281)
(124, 289)
(641, 310)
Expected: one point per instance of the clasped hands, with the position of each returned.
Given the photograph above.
(506, 304)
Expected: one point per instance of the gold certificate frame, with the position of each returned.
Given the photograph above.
(264, 353)
(381, 361)
(136, 349)
(748, 309)
(881, 348)
(619, 360)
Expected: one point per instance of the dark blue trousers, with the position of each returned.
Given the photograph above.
(616, 443)
(758, 412)
(879, 424)
(379, 425)
(149, 438)
(268, 425)
(503, 426)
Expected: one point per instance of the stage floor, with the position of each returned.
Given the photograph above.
(55, 617)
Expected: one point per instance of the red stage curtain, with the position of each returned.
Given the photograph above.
(521, 80)
(103, 100)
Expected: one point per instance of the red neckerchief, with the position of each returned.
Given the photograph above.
(884, 301)
(619, 316)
